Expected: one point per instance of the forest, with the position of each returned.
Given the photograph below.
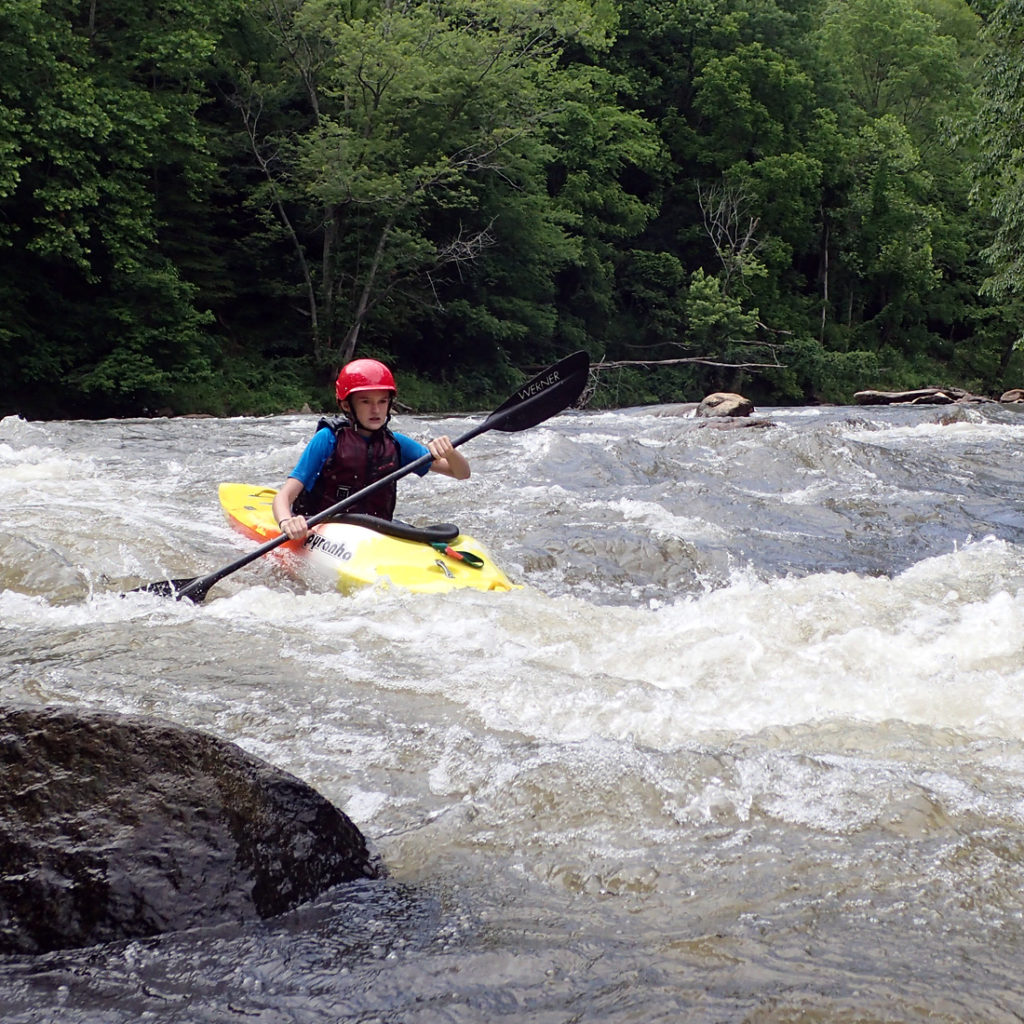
(208, 206)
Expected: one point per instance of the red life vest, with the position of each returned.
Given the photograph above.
(356, 462)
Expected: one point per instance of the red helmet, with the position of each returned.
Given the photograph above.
(363, 375)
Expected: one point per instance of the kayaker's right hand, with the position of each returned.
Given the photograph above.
(294, 527)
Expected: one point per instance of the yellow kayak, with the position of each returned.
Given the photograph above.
(358, 551)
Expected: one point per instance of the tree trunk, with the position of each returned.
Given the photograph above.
(323, 345)
(824, 285)
(348, 345)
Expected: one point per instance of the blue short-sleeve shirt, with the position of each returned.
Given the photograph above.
(320, 446)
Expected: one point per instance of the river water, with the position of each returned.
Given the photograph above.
(748, 745)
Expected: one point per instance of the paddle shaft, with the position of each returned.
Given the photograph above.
(512, 409)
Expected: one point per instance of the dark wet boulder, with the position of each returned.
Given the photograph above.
(115, 827)
(725, 403)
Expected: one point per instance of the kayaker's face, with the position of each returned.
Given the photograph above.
(370, 408)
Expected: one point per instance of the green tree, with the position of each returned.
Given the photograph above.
(885, 238)
(899, 236)
(732, 87)
(384, 131)
(1000, 159)
(895, 60)
(97, 127)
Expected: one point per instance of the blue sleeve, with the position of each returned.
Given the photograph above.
(409, 451)
(312, 460)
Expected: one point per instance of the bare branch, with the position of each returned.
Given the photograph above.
(729, 226)
(702, 360)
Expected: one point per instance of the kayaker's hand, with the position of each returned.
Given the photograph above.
(294, 527)
(441, 447)
(447, 459)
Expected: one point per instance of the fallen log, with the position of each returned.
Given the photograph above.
(920, 396)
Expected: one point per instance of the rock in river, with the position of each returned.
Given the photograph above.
(116, 827)
(725, 403)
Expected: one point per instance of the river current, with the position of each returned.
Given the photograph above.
(746, 746)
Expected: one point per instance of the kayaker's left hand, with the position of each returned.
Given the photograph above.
(447, 458)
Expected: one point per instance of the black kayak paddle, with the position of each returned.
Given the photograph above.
(548, 393)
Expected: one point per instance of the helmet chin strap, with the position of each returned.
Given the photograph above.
(349, 407)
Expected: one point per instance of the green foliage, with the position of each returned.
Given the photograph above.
(208, 206)
(887, 227)
(628, 386)
(713, 317)
(897, 229)
(238, 387)
(895, 59)
(98, 127)
(416, 123)
(818, 375)
(999, 174)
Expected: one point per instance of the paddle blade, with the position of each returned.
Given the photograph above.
(551, 391)
(176, 589)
